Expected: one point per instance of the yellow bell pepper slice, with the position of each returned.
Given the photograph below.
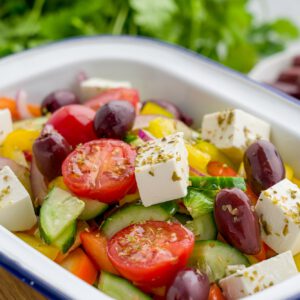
(296, 181)
(214, 152)
(151, 108)
(48, 250)
(58, 182)
(289, 172)
(129, 198)
(18, 141)
(297, 261)
(161, 127)
(241, 171)
(197, 159)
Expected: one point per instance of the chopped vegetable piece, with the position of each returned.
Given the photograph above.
(151, 252)
(218, 183)
(95, 245)
(102, 169)
(78, 263)
(135, 213)
(204, 258)
(199, 202)
(120, 288)
(58, 211)
(48, 250)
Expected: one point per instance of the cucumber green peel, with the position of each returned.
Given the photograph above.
(217, 183)
(120, 288)
(212, 257)
(59, 210)
(135, 213)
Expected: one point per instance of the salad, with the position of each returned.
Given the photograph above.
(130, 198)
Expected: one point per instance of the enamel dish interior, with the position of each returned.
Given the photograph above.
(159, 71)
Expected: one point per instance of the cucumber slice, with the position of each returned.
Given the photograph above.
(182, 218)
(65, 241)
(31, 124)
(92, 209)
(212, 257)
(198, 202)
(217, 183)
(120, 288)
(59, 210)
(203, 227)
(135, 213)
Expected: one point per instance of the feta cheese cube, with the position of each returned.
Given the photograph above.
(16, 209)
(161, 169)
(232, 131)
(258, 277)
(93, 86)
(6, 124)
(279, 211)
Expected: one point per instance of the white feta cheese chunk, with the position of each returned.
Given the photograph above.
(161, 169)
(233, 131)
(6, 124)
(16, 209)
(258, 277)
(279, 211)
(93, 86)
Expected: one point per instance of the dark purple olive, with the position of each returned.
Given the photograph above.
(189, 285)
(263, 166)
(58, 99)
(174, 110)
(114, 119)
(290, 75)
(50, 150)
(237, 221)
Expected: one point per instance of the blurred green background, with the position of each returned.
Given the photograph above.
(223, 30)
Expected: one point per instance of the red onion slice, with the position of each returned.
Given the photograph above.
(145, 136)
(21, 105)
(195, 172)
(38, 183)
(142, 121)
(81, 76)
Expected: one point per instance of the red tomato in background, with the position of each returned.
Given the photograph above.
(126, 94)
(216, 168)
(102, 169)
(152, 252)
(74, 123)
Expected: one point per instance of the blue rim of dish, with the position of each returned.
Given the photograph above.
(31, 279)
(26, 276)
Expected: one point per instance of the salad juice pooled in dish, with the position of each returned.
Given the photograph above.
(129, 198)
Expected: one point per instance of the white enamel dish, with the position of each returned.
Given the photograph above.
(158, 70)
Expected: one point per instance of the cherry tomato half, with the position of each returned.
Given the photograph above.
(126, 94)
(101, 169)
(151, 252)
(74, 123)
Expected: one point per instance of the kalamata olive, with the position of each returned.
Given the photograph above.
(189, 285)
(58, 99)
(50, 150)
(114, 119)
(263, 166)
(237, 221)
